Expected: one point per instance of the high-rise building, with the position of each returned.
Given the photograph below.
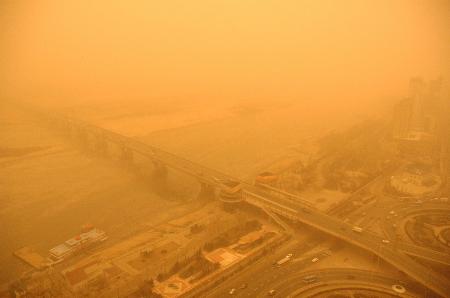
(402, 118)
(415, 117)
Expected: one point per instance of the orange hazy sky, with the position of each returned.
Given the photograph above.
(219, 50)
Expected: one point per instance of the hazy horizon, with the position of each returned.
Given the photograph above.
(243, 51)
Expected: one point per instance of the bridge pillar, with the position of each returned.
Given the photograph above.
(230, 195)
(81, 138)
(100, 145)
(60, 126)
(159, 176)
(207, 191)
(126, 155)
(63, 127)
(71, 130)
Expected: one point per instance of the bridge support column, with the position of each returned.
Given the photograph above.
(71, 131)
(231, 195)
(81, 138)
(63, 128)
(100, 145)
(126, 155)
(207, 191)
(159, 176)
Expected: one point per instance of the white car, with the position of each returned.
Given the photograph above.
(289, 255)
(232, 291)
(357, 229)
(385, 241)
(314, 260)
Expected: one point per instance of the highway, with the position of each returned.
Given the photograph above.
(287, 280)
(284, 205)
(376, 211)
(263, 272)
(366, 240)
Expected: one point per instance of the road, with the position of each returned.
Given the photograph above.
(404, 210)
(287, 279)
(263, 272)
(377, 212)
(366, 240)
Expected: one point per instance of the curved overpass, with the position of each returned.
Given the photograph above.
(366, 240)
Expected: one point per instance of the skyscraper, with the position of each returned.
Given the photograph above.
(415, 117)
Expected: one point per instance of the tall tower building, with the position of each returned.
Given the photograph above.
(417, 95)
(415, 117)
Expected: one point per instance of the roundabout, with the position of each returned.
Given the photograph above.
(343, 283)
(426, 225)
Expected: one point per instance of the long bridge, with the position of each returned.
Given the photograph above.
(287, 205)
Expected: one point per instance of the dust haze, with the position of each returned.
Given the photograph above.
(224, 148)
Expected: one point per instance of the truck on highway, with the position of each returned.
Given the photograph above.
(309, 278)
(283, 260)
(266, 178)
(357, 229)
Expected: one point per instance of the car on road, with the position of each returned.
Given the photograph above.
(385, 241)
(314, 260)
(289, 255)
(357, 229)
(232, 291)
(283, 260)
(309, 279)
(271, 293)
(243, 286)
